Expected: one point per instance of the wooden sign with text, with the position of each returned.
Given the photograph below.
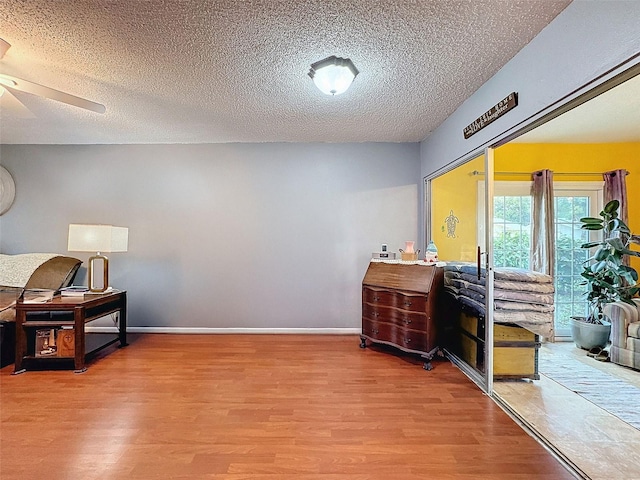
(495, 112)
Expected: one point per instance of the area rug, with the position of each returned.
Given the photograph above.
(611, 394)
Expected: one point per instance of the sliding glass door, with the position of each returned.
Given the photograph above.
(512, 231)
(452, 206)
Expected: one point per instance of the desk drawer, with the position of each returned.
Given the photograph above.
(376, 330)
(401, 300)
(376, 296)
(400, 318)
(402, 337)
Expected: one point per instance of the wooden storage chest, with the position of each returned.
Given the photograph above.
(515, 349)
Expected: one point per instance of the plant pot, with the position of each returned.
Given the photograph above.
(589, 335)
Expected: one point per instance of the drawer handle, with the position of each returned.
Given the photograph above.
(376, 314)
(407, 304)
(375, 330)
(375, 299)
(407, 321)
(407, 340)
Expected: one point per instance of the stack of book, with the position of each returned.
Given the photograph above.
(74, 291)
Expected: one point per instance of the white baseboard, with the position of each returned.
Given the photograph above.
(236, 331)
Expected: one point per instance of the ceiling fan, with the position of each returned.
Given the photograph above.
(14, 84)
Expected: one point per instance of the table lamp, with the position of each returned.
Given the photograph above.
(98, 238)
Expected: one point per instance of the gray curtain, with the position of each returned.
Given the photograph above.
(543, 241)
(615, 188)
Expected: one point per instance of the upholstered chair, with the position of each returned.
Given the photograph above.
(625, 333)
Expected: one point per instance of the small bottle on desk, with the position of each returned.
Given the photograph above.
(431, 255)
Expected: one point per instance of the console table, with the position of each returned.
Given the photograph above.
(67, 316)
(399, 307)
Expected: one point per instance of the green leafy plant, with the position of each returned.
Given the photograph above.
(606, 277)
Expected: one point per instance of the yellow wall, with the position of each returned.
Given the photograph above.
(567, 158)
(457, 190)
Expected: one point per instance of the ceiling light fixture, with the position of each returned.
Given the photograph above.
(333, 75)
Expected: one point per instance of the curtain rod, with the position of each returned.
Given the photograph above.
(477, 172)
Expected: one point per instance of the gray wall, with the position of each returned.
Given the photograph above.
(587, 40)
(236, 235)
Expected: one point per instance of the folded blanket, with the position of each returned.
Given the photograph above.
(508, 305)
(523, 297)
(511, 274)
(503, 284)
(477, 292)
(522, 307)
(536, 322)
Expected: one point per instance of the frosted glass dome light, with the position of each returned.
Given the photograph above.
(333, 75)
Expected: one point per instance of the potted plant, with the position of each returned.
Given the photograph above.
(605, 275)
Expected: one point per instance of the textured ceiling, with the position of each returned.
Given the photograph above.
(236, 71)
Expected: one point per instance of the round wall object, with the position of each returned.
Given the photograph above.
(7, 190)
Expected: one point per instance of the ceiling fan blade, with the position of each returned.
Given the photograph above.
(10, 105)
(51, 93)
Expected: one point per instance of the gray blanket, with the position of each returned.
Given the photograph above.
(538, 287)
(510, 274)
(518, 296)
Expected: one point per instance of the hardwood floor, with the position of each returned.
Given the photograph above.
(259, 407)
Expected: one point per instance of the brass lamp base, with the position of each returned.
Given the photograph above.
(105, 273)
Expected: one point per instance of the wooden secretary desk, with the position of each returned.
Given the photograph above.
(399, 303)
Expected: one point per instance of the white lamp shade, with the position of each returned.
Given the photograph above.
(97, 238)
(333, 75)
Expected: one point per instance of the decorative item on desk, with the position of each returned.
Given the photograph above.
(98, 238)
(431, 255)
(412, 257)
(409, 254)
(384, 253)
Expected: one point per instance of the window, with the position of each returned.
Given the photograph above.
(512, 237)
(572, 201)
(512, 230)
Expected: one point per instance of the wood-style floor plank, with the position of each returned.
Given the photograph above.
(249, 407)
